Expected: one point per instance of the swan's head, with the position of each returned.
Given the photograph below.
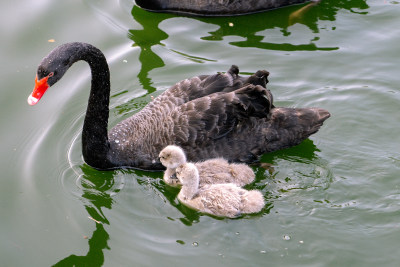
(187, 174)
(52, 69)
(172, 156)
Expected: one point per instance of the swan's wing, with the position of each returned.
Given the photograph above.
(203, 85)
(209, 118)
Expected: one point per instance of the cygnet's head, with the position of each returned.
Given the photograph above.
(187, 174)
(172, 156)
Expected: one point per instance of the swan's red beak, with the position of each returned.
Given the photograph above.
(40, 88)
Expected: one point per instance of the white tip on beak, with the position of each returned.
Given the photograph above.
(32, 100)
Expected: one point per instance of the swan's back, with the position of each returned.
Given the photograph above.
(219, 170)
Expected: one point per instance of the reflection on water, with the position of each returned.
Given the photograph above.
(149, 36)
(96, 195)
(308, 15)
(95, 255)
(97, 190)
(310, 171)
(305, 151)
(169, 194)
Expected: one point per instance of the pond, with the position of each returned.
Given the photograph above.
(333, 200)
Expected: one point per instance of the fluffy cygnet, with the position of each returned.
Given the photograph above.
(225, 200)
(212, 171)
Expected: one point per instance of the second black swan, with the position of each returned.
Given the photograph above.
(221, 115)
(213, 7)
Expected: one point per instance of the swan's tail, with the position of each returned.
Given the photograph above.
(290, 126)
(252, 201)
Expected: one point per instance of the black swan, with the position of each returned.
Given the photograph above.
(209, 116)
(214, 7)
(211, 171)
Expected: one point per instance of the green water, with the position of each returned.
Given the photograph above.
(331, 201)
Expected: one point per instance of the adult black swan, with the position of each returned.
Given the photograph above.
(220, 115)
(214, 7)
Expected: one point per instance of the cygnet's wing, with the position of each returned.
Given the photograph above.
(221, 200)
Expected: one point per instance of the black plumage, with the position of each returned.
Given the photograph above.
(214, 8)
(220, 115)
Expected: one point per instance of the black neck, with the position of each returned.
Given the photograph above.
(95, 145)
